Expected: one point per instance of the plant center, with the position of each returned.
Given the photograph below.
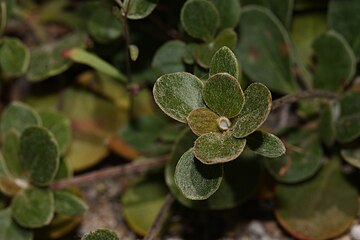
(223, 123)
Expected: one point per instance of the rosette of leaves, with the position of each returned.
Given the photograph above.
(34, 144)
(224, 118)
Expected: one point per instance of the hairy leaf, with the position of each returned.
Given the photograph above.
(14, 57)
(10, 150)
(202, 121)
(169, 57)
(138, 9)
(224, 61)
(10, 230)
(100, 234)
(229, 12)
(265, 144)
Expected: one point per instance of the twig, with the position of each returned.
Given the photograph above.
(131, 168)
(302, 95)
(160, 218)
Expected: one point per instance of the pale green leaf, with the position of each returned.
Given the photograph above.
(100, 234)
(169, 57)
(138, 9)
(265, 144)
(14, 57)
(10, 150)
(10, 230)
(229, 12)
(224, 61)
(69, 204)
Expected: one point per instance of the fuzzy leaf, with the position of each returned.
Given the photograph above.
(64, 170)
(202, 121)
(335, 62)
(33, 207)
(197, 181)
(222, 94)
(18, 116)
(10, 150)
(265, 144)
(14, 57)
(169, 57)
(200, 19)
(351, 155)
(214, 148)
(264, 51)
(229, 12)
(322, 208)
(177, 94)
(255, 111)
(68, 204)
(100, 234)
(10, 230)
(224, 61)
(39, 155)
(138, 9)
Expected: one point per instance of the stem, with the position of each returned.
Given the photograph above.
(160, 218)
(302, 95)
(131, 168)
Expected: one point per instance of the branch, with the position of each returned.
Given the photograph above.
(131, 168)
(302, 95)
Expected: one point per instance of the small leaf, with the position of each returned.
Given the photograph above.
(351, 155)
(229, 12)
(200, 19)
(10, 230)
(64, 170)
(265, 144)
(18, 116)
(327, 128)
(14, 57)
(10, 186)
(322, 208)
(134, 52)
(100, 234)
(335, 62)
(138, 9)
(177, 94)
(60, 127)
(169, 57)
(39, 155)
(222, 94)
(255, 111)
(224, 61)
(214, 148)
(10, 150)
(202, 121)
(197, 181)
(82, 56)
(69, 204)
(33, 208)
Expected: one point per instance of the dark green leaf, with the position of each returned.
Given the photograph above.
(64, 170)
(39, 155)
(214, 148)
(200, 19)
(3, 168)
(33, 207)
(322, 208)
(177, 94)
(202, 121)
(69, 204)
(10, 150)
(327, 128)
(138, 9)
(197, 181)
(10, 230)
(229, 12)
(265, 144)
(14, 57)
(222, 94)
(100, 234)
(169, 57)
(224, 61)
(255, 111)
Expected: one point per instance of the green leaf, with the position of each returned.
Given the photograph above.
(177, 94)
(200, 19)
(14, 57)
(64, 170)
(229, 12)
(138, 9)
(100, 17)
(338, 18)
(169, 57)
(3, 168)
(214, 148)
(303, 158)
(197, 181)
(59, 126)
(47, 60)
(84, 57)
(348, 124)
(10, 150)
(33, 207)
(69, 204)
(335, 62)
(203, 53)
(327, 127)
(10, 230)
(265, 144)
(142, 201)
(322, 208)
(18, 116)
(202, 121)
(255, 111)
(351, 155)
(224, 61)
(100, 234)
(39, 155)
(222, 94)
(264, 51)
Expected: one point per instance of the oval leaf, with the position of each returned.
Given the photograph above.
(10, 150)
(224, 61)
(229, 12)
(265, 144)
(10, 230)
(100, 234)
(138, 9)
(214, 148)
(222, 94)
(169, 57)
(321, 208)
(39, 155)
(69, 204)
(200, 19)
(177, 94)
(33, 208)
(196, 180)
(255, 111)
(351, 154)
(14, 57)
(202, 121)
